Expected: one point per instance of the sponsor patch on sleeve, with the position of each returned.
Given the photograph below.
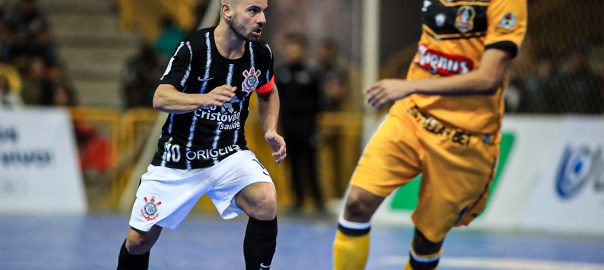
(506, 24)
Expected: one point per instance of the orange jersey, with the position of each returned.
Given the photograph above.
(455, 34)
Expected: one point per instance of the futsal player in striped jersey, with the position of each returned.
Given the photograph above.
(206, 90)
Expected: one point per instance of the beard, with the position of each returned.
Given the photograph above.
(240, 30)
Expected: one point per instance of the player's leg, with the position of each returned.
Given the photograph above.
(244, 186)
(259, 202)
(134, 254)
(389, 161)
(453, 192)
(164, 198)
(351, 245)
(424, 254)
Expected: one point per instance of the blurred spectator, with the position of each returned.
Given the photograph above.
(36, 83)
(582, 86)
(5, 45)
(95, 156)
(597, 61)
(333, 75)
(335, 92)
(541, 86)
(29, 33)
(9, 98)
(142, 75)
(61, 95)
(299, 94)
(513, 94)
(169, 38)
(13, 76)
(94, 149)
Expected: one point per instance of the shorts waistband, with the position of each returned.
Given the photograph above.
(436, 127)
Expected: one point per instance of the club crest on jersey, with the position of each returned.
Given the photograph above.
(464, 21)
(251, 80)
(149, 210)
(506, 24)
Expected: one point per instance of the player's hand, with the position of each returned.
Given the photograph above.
(386, 92)
(218, 96)
(277, 144)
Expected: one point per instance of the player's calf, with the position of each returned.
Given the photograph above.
(424, 254)
(128, 261)
(135, 251)
(259, 243)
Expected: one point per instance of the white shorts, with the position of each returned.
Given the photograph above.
(166, 196)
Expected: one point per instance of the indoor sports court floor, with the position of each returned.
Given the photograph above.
(92, 242)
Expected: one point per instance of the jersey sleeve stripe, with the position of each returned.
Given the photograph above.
(186, 76)
(507, 46)
(267, 87)
(169, 68)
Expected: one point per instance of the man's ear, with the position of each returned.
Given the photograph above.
(225, 9)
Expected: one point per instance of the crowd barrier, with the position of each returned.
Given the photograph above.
(127, 134)
(550, 174)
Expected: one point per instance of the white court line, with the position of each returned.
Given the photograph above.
(501, 264)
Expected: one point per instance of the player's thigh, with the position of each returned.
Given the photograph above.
(390, 159)
(455, 184)
(242, 182)
(258, 200)
(165, 197)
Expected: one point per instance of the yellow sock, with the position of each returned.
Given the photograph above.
(350, 252)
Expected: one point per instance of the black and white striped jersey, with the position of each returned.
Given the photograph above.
(206, 136)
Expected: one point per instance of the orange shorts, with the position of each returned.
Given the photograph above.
(456, 169)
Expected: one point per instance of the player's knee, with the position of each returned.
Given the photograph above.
(264, 208)
(356, 208)
(137, 246)
(137, 243)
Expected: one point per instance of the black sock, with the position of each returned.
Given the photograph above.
(424, 254)
(259, 243)
(128, 261)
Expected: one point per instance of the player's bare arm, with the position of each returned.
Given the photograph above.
(482, 81)
(268, 108)
(168, 99)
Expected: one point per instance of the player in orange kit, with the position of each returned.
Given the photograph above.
(444, 124)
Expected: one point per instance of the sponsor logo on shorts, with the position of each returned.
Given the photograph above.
(150, 211)
(263, 266)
